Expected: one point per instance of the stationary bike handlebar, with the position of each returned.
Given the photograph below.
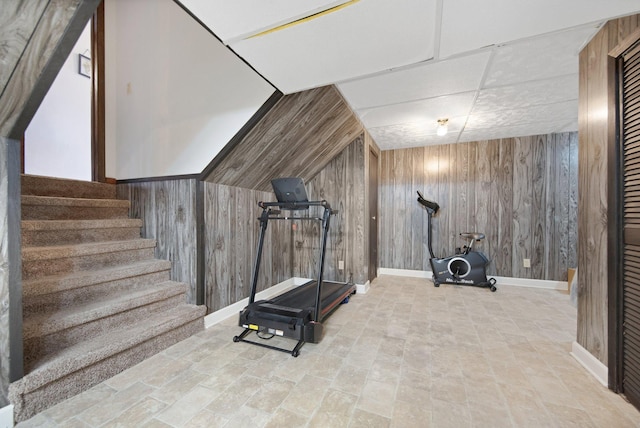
(433, 207)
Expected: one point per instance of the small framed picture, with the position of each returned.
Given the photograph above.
(84, 65)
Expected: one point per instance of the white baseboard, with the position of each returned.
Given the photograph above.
(501, 280)
(363, 288)
(591, 363)
(6, 416)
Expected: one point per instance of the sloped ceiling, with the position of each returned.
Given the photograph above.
(495, 68)
(289, 141)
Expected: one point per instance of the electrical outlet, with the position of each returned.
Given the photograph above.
(341, 265)
(527, 263)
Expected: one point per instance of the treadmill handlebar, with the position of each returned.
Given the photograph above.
(305, 204)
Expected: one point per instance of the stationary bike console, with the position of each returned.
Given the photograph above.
(466, 267)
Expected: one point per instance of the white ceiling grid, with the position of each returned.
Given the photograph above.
(495, 68)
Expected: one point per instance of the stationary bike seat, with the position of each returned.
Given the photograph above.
(475, 236)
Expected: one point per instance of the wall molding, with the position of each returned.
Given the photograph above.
(501, 280)
(591, 363)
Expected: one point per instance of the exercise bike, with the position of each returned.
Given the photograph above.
(466, 267)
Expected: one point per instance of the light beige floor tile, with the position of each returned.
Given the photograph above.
(362, 419)
(285, 418)
(112, 407)
(350, 379)
(205, 418)
(179, 386)
(139, 413)
(406, 354)
(270, 395)
(188, 406)
(307, 395)
(71, 407)
(410, 415)
(378, 397)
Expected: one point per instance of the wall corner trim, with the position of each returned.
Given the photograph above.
(6, 416)
(591, 363)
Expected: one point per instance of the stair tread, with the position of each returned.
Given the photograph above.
(58, 364)
(73, 202)
(53, 321)
(62, 282)
(80, 224)
(65, 187)
(84, 249)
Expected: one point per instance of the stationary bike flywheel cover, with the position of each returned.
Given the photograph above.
(460, 265)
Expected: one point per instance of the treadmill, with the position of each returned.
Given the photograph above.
(298, 313)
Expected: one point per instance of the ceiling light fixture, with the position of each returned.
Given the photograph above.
(442, 127)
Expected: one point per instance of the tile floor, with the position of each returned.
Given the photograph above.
(406, 354)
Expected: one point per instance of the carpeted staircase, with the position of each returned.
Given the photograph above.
(95, 301)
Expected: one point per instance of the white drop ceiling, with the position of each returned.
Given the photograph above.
(494, 68)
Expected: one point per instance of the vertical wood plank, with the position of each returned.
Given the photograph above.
(503, 256)
(539, 206)
(481, 195)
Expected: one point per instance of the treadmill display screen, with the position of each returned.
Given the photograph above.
(290, 192)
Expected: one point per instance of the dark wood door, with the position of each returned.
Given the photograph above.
(373, 215)
(629, 66)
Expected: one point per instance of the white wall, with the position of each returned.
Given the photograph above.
(177, 95)
(58, 139)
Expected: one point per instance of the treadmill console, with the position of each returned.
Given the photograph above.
(291, 193)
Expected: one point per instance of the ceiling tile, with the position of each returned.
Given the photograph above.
(523, 130)
(472, 24)
(538, 58)
(234, 20)
(361, 39)
(408, 135)
(559, 112)
(423, 111)
(527, 94)
(425, 80)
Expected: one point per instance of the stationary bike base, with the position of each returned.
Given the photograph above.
(462, 269)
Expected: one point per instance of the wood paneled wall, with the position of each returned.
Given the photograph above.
(298, 137)
(231, 238)
(232, 231)
(520, 192)
(168, 211)
(595, 108)
(342, 184)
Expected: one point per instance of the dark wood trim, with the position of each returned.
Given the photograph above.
(22, 155)
(98, 95)
(14, 258)
(200, 247)
(56, 59)
(162, 178)
(615, 226)
(241, 134)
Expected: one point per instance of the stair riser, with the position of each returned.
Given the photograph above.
(29, 402)
(47, 186)
(34, 238)
(37, 347)
(48, 212)
(32, 269)
(90, 293)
